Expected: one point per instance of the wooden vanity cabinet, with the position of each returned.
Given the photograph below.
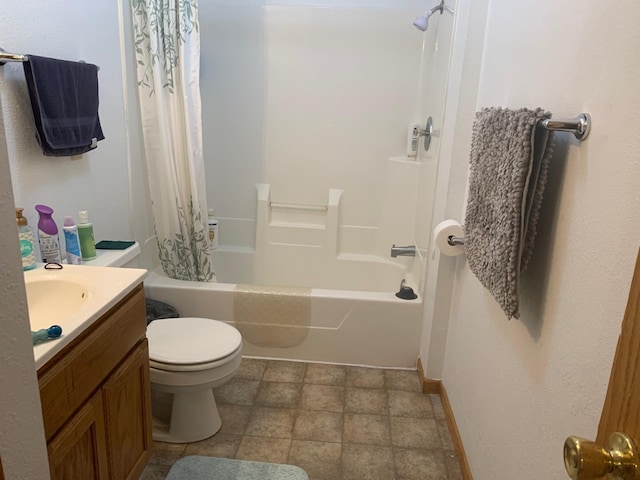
(95, 397)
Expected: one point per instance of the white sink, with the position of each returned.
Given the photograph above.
(73, 297)
(51, 301)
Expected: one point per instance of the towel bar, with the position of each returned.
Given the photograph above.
(16, 57)
(579, 126)
(11, 57)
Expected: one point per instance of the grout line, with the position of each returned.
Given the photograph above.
(297, 410)
(393, 457)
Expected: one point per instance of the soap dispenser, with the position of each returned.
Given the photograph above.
(27, 242)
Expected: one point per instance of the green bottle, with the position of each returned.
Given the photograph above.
(85, 232)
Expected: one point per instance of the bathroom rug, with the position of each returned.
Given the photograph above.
(196, 467)
(272, 316)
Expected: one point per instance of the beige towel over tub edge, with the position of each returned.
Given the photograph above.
(272, 316)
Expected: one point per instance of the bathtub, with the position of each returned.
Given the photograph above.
(363, 325)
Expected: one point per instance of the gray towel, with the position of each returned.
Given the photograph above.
(510, 155)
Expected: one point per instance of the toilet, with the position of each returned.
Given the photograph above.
(188, 357)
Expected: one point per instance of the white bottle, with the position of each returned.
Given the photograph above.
(413, 139)
(212, 230)
(72, 241)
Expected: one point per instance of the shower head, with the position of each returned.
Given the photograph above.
(422, 22)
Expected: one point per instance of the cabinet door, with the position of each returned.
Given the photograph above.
(78, 451)
(127, 402)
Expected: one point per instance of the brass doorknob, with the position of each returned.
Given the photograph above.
(584, 460)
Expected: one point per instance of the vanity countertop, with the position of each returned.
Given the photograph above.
(52, 297)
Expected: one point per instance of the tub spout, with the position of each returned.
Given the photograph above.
(408, 251)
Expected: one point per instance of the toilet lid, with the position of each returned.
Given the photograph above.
(185, 341)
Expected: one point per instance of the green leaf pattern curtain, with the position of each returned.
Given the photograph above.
(167, 45)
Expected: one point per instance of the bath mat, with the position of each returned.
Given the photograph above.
(196, 467)
(510, 155)
(272, 316)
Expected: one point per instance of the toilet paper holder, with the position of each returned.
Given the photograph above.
(448, 237)
(455, 241)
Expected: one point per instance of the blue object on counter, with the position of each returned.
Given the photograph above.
(54, 331)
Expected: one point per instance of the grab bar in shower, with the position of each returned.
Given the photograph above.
(296, 206)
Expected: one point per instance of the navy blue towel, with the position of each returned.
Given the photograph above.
(64, 100)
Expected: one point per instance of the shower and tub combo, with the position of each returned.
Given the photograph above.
(324, 213)
(324, 216)
(295, 296)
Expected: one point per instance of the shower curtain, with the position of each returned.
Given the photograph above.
(167, 46)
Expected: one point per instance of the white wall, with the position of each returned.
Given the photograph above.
(519, 387)
(22, 444)
(98, 181)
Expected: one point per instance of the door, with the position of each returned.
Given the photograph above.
(621, 411)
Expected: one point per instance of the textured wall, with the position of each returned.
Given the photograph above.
(98, 181)
(519, 387)
(22, 444)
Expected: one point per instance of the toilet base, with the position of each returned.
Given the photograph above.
(182, 402)
(194, 417)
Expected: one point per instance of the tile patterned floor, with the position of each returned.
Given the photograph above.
(336, 422)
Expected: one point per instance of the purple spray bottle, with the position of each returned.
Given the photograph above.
(48, 236)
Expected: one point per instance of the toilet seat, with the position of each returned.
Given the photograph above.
(191, 343)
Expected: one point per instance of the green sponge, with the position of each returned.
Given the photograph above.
(114, 244)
